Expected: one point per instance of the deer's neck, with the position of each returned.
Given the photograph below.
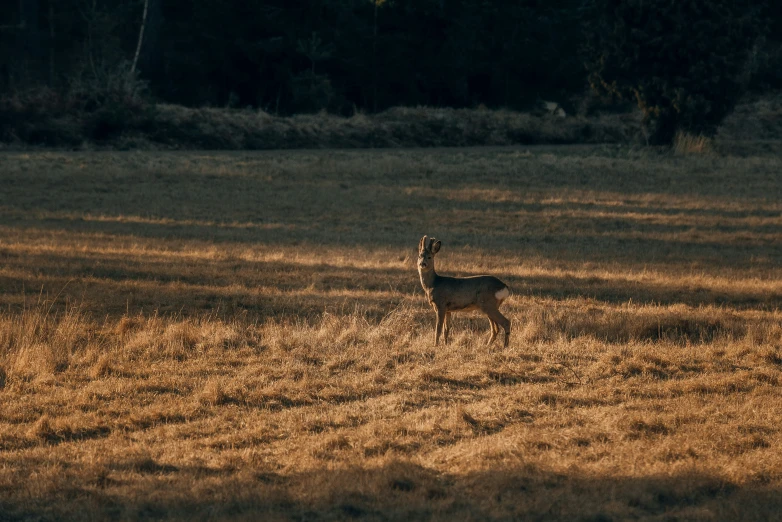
(427, 279)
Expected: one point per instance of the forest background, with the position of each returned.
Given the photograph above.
(91, 70)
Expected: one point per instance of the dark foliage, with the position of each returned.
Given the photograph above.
(289, 57)
(65, 64)
(685, 62)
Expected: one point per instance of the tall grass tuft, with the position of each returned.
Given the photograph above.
(38, 342)
(685, 144)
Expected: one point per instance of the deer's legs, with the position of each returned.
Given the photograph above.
(504, 322)
(439, 327)
(446, 326)
(494, 330)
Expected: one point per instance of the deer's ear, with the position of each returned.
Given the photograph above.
(435, 247)
(422, 245)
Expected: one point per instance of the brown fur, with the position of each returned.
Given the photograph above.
(459, 294)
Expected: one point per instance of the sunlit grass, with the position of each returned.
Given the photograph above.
(200, 336)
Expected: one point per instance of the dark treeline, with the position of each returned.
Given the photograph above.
(685, 63)
(287, 56)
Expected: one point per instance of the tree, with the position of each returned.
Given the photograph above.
(683, 61)
(140, 39)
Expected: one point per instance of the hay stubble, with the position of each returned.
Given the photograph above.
(242, 335)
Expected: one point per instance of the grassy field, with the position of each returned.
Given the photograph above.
(243, 335)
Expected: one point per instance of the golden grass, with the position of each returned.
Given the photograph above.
(243, 336)
(685, 143)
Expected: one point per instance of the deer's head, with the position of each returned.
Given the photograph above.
(427, 248)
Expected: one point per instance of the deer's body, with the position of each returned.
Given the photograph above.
(460, 294)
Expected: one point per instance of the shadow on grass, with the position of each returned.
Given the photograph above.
(567, 240)
(593, 210)
(621, 290)
(118, 285)
(396, 490)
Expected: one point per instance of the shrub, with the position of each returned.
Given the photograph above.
(93, 107)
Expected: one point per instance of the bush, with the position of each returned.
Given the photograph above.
(90, 109)
(684, 62)
(110, 101)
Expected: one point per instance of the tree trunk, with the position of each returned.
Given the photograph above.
(140, 38)
(149, 60)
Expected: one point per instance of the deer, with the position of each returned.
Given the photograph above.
(484, 293)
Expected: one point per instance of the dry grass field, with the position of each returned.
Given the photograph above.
(206, 336)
